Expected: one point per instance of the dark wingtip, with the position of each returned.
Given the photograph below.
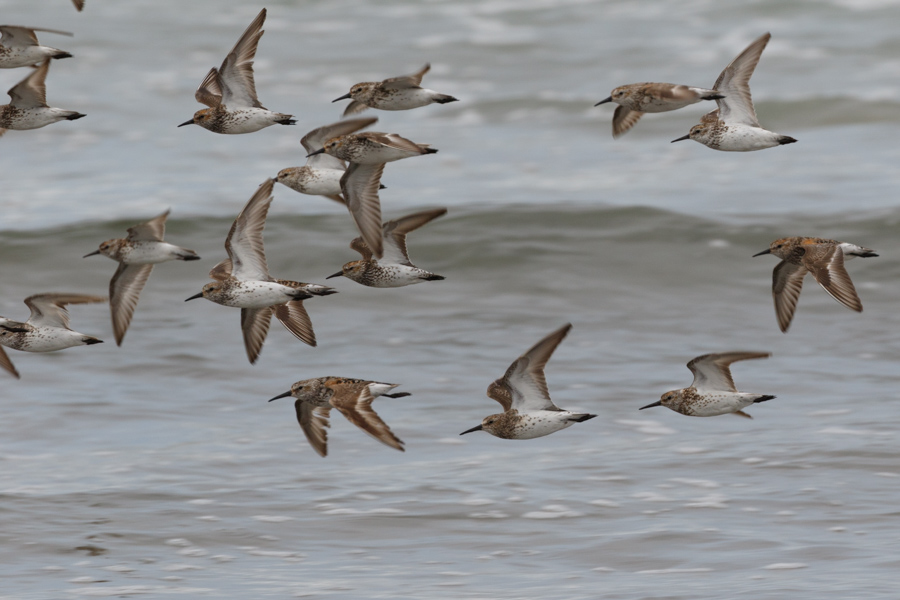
(786, 139)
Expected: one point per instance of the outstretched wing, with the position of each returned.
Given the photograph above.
(831, 274)
(31, 92)
(244, 243)
(394, 234)
(6, 364)
(711, 372)
(734, 84)
(255, 326)
(355, 403)
(624, 119)
(314, 421)
(295, 319)
(152, 231)
(124, 291)
(524, 386)
(210, 92)
(360, 185)
(413, 80)
(49, 310)
(236, 72)
(19, 37)
(787, 283)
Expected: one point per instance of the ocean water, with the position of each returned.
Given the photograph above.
(157, 469)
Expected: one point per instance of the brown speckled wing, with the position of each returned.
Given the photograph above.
(236, 72)
(734, 84)
(831, 274)
(355, 403)
(395, 231)
(525, 377)
(360, 246)
(787, 283)
(314, 421)
(255, 326)
(624, 119)
(353, 108)
(7, 364)
(244, 243)
(209, 92)
(49, 310)
(31, 92)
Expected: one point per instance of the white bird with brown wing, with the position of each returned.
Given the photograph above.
(28, 108)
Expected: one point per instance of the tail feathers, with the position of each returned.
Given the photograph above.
(74, 116)
(287, 120)
(866, 254)
(763, 399)
(90, 341)
(582, 418)
(713, 96)
(397, 395)
(427, 150)
(786, 139)
(444, 99)
(433, 277)
(62, 54)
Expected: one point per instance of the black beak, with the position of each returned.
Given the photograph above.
(338, 274)
(763, 252)
(319, 151)
(657, 403)
(478, 428)
(686, 137)
(195, 296)
(344, 97)
(284, 395)
(604, 101)
(91, 254)
(191, 122)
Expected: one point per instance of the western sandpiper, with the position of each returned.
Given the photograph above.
(136, 255)
(396, 93)
(522, 392)
(394, 269)
(635, 99)
(19, 47)
(712, 392)
(824, 259)
(47, 329)
(230, 92)
(353, 397)
(321, 176)
(243, 281)
(733, 126)
(367, 153)
(28, 108)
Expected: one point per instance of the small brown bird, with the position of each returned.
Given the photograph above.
(352, 397)
(824, 259)
(396, 93)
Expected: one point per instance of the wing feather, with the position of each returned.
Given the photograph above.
(152, 231)
(244, 243)
(314, 421)
(49, 310)
(734, 84)
(360, 186)
(236, 73)
(255, 326)
(31, 92)
(295, 319)
(404, 82)
(124, 291)
(394, 234)
(356, 406)
(787, 283)
(831, 274)
(7, 364)
(624, 119)
(711, 372)
(525, 377)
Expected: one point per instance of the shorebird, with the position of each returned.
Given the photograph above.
(136, 255)
(352, 397)
(635, 99)
(28, 108)
(821, 257)
(321, 176)
(712, 392)
(367, 153)
(243, 281)
(396, 93)
(19, 47)
(522, 392)
(47, 329)
(733, 126)
(394, 269)
(230, 92)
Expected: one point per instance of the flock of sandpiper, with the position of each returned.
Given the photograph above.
(346, 166)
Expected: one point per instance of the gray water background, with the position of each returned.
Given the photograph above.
(157, 469)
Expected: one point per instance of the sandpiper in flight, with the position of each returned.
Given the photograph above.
(522, 392)
(712, 392)
(394, 269)
(230, 92)
(635, 99)
(321, 176)
(19, 47)
(243, 281)
(28, 108)
(353, 397)
(136, 255)
(396, 93)
(367, 153)
(47, 328)
(821, 257)
(733, 126)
